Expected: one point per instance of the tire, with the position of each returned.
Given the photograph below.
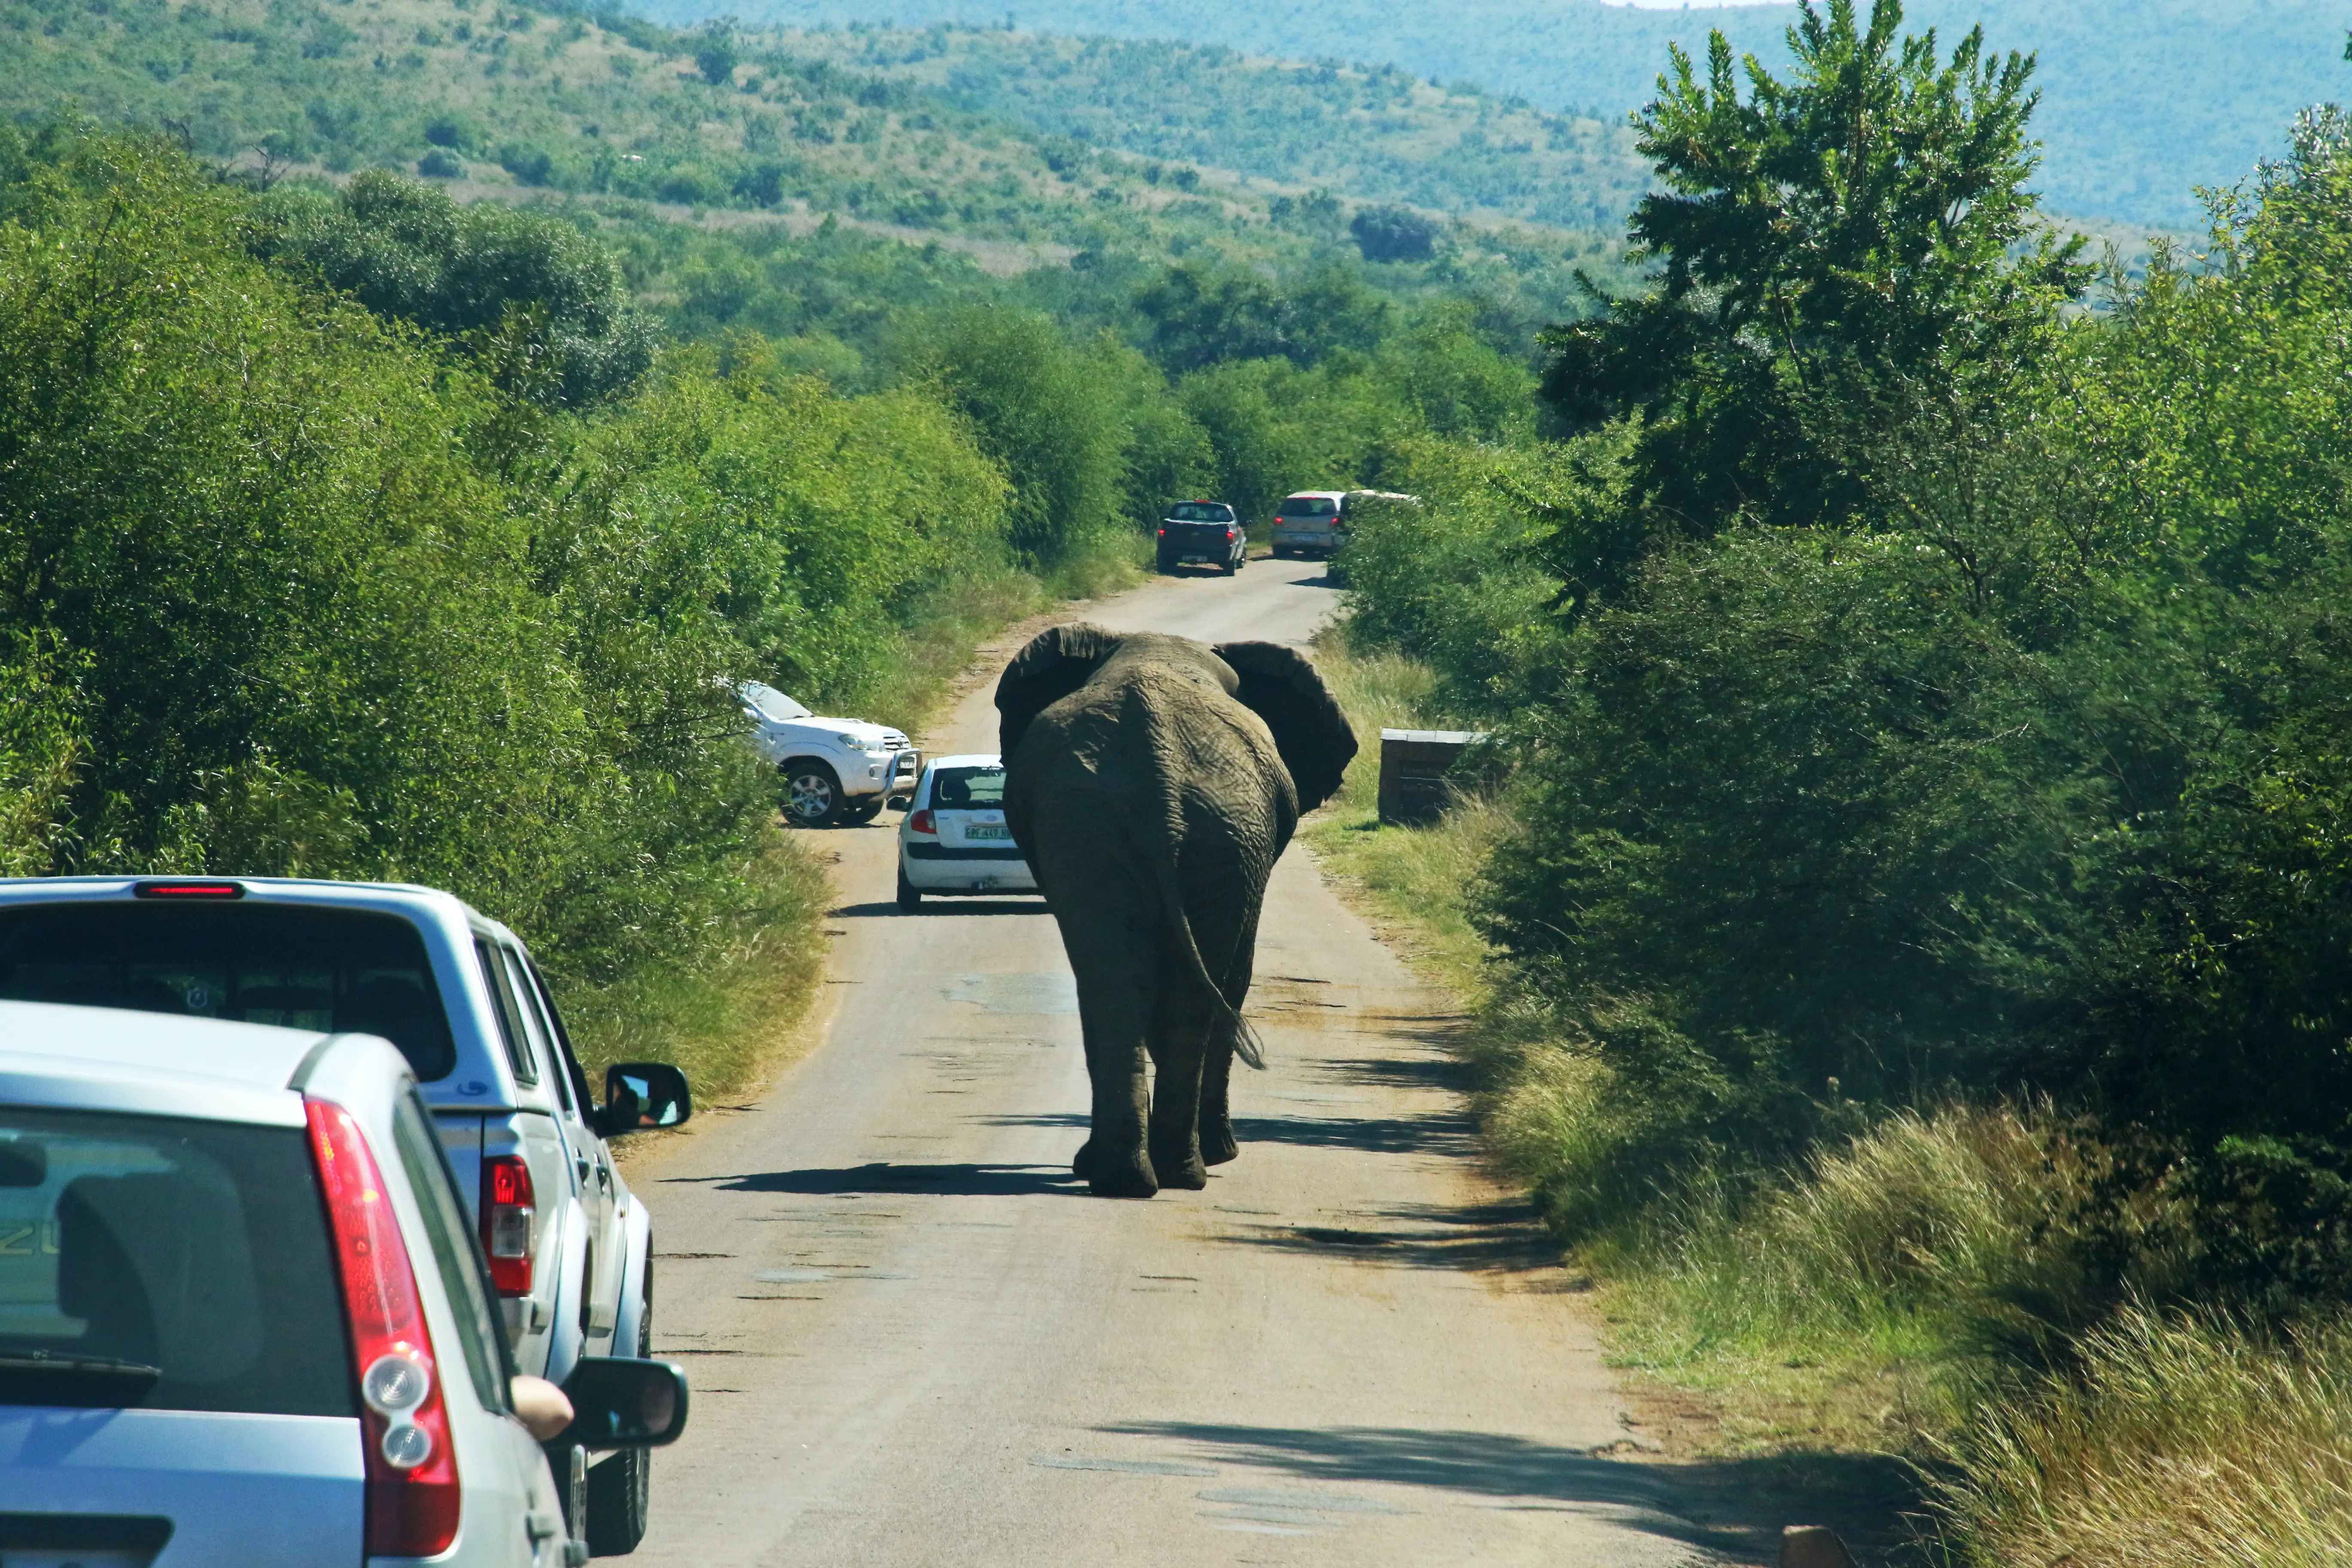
(1231, 567)
(910, 897)
(619, 1491)
(811, 799)
(1168, 566)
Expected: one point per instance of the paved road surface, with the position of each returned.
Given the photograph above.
(916, 1340)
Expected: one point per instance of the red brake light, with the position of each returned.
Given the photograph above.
(923, 822)
(1229, 534)
(413, 1496)
(507, 1213)
(197, 890)
(1163, 534)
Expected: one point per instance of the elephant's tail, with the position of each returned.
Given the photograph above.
(1246, 1043)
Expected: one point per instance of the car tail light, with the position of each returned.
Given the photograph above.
(507, 1211)
(188, 889)
(1229, 534)
(412, 1495)
(1163, 534)
(923, 822)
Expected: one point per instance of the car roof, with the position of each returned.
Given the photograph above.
(408, 897)
(59, 1054)
(18, 888)
(1327, 495)
(970, 759)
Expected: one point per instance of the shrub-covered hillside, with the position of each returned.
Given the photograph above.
(1376, 133)
(746, 181)
(2143, 101)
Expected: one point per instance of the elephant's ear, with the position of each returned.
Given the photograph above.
(1310, 730)
(1057, 662)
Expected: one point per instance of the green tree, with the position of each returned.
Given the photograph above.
(405, 250)
(1842, 251)
(1045, 410)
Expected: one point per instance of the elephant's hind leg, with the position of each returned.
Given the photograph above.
(1181, 1027)
(1218, 1143)
(1108, 929)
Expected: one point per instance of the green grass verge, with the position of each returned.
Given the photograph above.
(1413, 878)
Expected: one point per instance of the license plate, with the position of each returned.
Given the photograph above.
(988, 832)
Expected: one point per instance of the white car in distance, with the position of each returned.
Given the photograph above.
(244, 1321)
(835, 769)
(954, 839)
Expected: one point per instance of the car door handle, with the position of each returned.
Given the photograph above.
(580, 1169)
(543, 1525)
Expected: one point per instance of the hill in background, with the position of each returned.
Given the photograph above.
(785, 183)
(1375, 133)
(2142, 102)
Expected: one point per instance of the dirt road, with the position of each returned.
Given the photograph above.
(915, 1339)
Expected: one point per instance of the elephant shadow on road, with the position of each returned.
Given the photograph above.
(882, 909)
(1731, 1506)
(958, 1181)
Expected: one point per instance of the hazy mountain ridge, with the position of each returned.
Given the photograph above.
(2141, 103)
(1375, 134)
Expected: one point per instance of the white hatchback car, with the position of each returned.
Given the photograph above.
(243, 1317)
(953, 838)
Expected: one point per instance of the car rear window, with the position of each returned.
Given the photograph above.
(197, 1249)
(303, 968)
(1200, 511)
(1310, 506)
(967, 789)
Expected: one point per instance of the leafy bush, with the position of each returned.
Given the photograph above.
(1045, 410)
(302, 627)
(1393, 234)
(405, 250)
(440, 165)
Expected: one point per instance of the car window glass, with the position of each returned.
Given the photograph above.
(770, 703)
(451, 1240)
(1200, 511)
(298, 967)
(197, 1249)
(1310, 506)
(967, 789)
(570, 1058)
(535, 1025)
(502, 1003)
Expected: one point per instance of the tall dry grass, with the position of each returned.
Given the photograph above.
(2184, 1440)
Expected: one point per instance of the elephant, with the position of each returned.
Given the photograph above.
(1151, 782)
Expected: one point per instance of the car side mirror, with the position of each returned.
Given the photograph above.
(620, 1402)
(641, 1095)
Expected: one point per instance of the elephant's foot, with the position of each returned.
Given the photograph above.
(1218, 1145)
(1180, 1168)
(1111, 1176)
(1082, 1164)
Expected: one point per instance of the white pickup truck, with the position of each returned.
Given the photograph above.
(835, 769)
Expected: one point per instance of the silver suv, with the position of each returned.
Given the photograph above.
(570, 1248)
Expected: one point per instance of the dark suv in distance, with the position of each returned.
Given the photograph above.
(1203, 532)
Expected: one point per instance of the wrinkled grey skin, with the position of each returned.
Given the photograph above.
(1151, 782)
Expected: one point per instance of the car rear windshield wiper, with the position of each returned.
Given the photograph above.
(48, 1363)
